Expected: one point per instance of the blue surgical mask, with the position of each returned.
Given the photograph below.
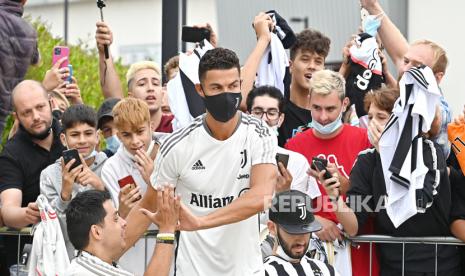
(91, 155)
(372, 23)
(112, 143)
(328, 128)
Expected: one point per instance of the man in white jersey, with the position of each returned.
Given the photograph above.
(223, 167)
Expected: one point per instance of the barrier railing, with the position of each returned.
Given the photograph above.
(373, 239)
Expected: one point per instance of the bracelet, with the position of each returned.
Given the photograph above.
(165, 241)
(165, 236)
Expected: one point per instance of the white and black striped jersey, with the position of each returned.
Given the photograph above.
(209, 174)
(276, 266)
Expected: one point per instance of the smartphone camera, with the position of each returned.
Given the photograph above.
(57, 51)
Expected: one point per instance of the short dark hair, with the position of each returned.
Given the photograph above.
(218, 58)
(265, 90)
(85, 210)
(78, 114)
(313, 41)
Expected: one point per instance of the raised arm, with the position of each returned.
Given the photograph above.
(262, 183)
(395, 43)
(166, 218)
(262, 24)
(109, 79)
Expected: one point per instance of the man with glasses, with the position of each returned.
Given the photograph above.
(267, 103)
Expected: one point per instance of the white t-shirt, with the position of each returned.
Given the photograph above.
(209, 174)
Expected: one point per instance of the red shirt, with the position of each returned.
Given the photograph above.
(165, 124)
(343, 151)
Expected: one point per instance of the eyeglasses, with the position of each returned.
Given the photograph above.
(271, 114)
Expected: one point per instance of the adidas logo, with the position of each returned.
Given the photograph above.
(198, 166)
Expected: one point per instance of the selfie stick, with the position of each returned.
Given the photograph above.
(101, 5)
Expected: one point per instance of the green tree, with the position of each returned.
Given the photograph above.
(83, 57)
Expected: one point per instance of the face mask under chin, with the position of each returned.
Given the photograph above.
(328, 128)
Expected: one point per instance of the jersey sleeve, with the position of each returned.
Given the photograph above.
(166, 169)
(361, 186)
(263, 146)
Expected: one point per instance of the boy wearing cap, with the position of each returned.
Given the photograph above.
(106, 126)
(292, 223)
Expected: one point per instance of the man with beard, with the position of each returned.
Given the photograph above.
(291, 224)
(35, 146)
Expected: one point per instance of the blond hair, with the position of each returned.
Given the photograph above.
(141, 65)
(326, 81)
(440, 60)
(130, 113)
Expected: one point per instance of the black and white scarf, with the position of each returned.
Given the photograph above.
(410, 184)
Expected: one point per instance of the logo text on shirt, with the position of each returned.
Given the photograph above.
(198, 165)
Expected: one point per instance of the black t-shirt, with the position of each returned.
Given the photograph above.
(22, 161)
(367, 181)
(296, 120)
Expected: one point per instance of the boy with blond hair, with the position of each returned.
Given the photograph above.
(132, 165)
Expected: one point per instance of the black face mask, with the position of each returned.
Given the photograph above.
(223, 106)
(40, 136)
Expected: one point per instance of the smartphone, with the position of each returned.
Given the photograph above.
(69, 79)
(320, 167)
(70, 154)
(128, 180)
(191, 34)
(58, 53)
(322, 160)
(283, 158)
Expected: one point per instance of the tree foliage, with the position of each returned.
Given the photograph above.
(83, 58)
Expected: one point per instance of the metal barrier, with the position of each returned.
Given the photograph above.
(407, 240)
(371, 239)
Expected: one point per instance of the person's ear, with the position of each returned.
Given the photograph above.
(281, 119)
(15, 115)
(198, 88)
(63, 139)
(291, 66)
(272, 228)
(439, 76)
(345, 104)
(96, 232)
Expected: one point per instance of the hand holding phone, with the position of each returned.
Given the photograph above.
(128, 180)
(318, 164)
(283, 158)
(70, 154)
